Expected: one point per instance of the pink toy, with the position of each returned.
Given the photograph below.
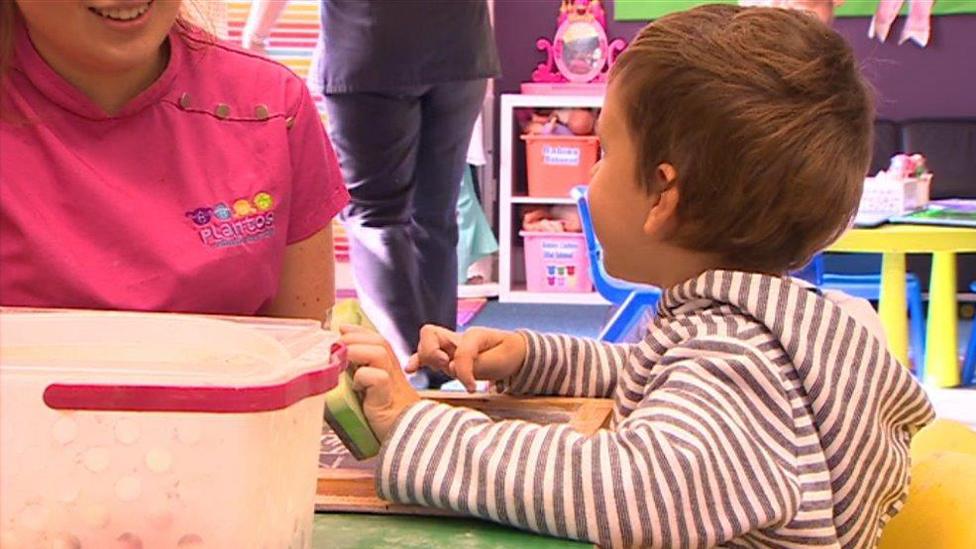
(581, 122)
(554, 219)
(579, 56)
(918, 26)
(904, 166)
(559, 122)
(916, 29)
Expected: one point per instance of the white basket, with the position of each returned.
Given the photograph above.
(104, 437)
(895, 196)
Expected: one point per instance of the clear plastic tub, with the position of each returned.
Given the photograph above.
(156, 430)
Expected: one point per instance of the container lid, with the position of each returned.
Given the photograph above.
(554, 137)
(167, 362)
(552, 234)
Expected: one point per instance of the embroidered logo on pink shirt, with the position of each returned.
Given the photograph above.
(242, 222)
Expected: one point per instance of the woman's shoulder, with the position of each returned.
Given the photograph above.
(215, 72)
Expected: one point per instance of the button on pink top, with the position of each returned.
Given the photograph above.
(183, 201)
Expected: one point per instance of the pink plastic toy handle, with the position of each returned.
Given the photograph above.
(217, 400)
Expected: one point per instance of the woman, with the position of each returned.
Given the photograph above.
(145, 166)
(403, 84)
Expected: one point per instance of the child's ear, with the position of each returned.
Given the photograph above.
(662, 214)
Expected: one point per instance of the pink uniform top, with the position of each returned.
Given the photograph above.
(183, 201)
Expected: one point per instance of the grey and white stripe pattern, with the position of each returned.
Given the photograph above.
(754, 413)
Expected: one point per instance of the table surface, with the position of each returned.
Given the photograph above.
(907, 239)
(347, 531)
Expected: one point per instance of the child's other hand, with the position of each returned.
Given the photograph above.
(386, 391)
(478, 353)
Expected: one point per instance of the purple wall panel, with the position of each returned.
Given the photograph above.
(912, 82)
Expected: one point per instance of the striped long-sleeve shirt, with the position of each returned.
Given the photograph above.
(755, 412)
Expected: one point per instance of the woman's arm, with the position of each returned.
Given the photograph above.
(260, 20)
(307, 287)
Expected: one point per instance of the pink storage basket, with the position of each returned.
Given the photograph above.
(556, 262)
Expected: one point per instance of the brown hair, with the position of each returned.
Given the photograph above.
(8, 11)
(767, 120)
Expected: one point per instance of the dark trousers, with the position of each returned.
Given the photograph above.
(403, 155)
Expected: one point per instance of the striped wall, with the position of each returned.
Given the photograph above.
(292, 39)
(292, 42)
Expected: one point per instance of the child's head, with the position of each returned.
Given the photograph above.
(740, 136)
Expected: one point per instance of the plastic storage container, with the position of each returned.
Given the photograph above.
(895, 196)
(155, 430)
(557, 163)
(556, 262)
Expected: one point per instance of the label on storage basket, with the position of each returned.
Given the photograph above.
(556, 262)
(560, 156)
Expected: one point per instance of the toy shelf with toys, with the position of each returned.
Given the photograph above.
(549, 146)
(556, 261)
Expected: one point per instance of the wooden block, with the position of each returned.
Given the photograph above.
(348, 485)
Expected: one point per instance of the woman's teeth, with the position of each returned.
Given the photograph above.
(122, 14)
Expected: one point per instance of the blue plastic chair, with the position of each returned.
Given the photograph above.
(630, 299)
(633, 299)
(969, 364)
(869, 287)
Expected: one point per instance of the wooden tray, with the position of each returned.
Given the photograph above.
(347, 485)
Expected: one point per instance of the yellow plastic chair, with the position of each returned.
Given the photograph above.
(939, 512)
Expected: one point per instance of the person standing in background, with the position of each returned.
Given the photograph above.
(403, 83)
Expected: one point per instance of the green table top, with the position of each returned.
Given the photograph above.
(349, 531)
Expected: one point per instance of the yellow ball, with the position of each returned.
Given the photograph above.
(943, 435)
(940, 507)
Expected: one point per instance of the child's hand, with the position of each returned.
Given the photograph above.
(478, 353)
(386, 391)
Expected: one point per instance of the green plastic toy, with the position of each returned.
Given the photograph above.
(344, 413)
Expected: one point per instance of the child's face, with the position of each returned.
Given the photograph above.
(619, 202)
(99, 36)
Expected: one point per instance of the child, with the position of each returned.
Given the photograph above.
(147, 166)
(756, 411)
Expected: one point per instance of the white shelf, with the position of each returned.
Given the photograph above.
(541, 200)
(557, 101)
(567, 298)
(513, 291)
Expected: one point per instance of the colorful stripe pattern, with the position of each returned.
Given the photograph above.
(292, 39)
